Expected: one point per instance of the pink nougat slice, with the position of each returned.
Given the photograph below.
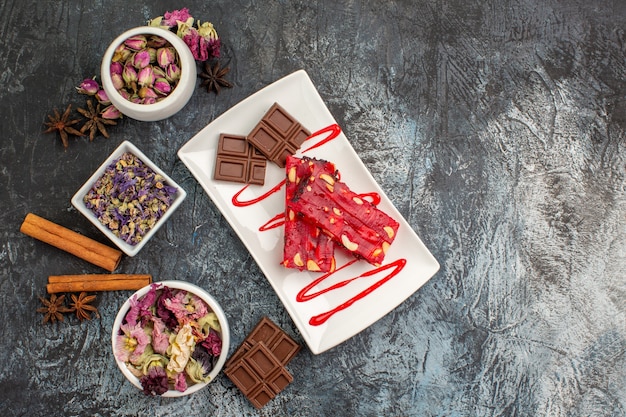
(306, 246)
(357, 224)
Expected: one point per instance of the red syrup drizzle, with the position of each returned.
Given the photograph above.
(334, 130)
(303, 295)
(273, 223)
(243, 203)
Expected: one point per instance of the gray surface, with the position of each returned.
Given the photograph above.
(498, 130)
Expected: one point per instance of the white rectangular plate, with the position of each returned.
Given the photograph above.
(363, 299)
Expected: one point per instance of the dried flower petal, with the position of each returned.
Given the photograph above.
(171, 19)
(155, 383)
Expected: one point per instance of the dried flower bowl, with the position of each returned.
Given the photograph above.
(169, 105)
(213, 306)
(177, 198)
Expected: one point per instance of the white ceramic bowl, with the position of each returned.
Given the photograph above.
(174, 102)
(77, 199)
(213, 305)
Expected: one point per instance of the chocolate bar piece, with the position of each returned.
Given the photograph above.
(257, 367)
(306, 247)
(277, 135)
(238, 161)
(350, 220)
(259, 375)
(282, 346)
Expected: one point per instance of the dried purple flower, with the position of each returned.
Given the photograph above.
(129, 198)
(213, 343)
(201, 38)
(155, 383)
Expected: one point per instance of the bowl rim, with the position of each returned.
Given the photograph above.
(77, 199)
(211, 302)
(188, 72)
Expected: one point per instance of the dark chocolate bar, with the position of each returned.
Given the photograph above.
(277, 135)
(238, 161)
(257, 367)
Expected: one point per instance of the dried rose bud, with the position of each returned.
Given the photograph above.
(146, 77)
(136, 43)
(118, 81)
(158, 71)
(207, 31)
(162, 87)
(121, 53)
(124, 93)
(116, 68)
(111, 113)
(89, 86)
(166, 56)
(141, 59)
(172, 73)
(153, 54)
(155, 41)
(129, 74)
(149, 100)
(145, 92)
(102, 97)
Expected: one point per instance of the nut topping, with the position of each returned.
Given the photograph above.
(351, 246)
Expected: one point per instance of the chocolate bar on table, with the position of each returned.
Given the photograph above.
(259, 375)
(354, 222)
(278, 135)
(238, 161)
(306, 247)
(257, 367)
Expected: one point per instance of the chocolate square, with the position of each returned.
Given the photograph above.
(244, 377)
(264, 331)
(278, 135)
(262, 360)
(279, 380)
(238, 161)
(284, 348)
(261, 396)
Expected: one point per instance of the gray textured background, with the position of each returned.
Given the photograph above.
(496, 127)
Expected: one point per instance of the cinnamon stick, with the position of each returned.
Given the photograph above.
(96, 282)
(71, 242)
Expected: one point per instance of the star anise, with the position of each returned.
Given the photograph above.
(213, 77)
(95, 122)
(62, 124)
(80, 305)
(53, 308)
